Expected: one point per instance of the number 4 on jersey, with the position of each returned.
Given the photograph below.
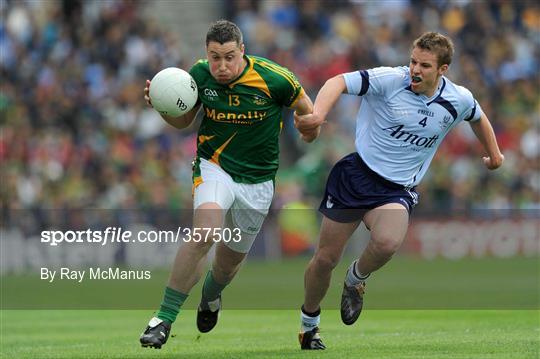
(423, 122)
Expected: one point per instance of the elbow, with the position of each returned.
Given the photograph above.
(498, 160)
(184, 124)
(178, 122)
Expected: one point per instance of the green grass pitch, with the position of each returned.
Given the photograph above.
(273, 334)
(471, 308)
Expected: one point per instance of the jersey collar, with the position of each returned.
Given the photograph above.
(442, 85)
(247, 68)
(438, 93)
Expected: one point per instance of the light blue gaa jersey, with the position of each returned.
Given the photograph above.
(398, 131)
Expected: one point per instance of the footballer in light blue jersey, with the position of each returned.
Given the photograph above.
(399, 131)
(404, 115)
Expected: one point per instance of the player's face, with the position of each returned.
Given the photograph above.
(424, 71)
(226, 60)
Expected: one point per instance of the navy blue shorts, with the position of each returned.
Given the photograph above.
(353, 189)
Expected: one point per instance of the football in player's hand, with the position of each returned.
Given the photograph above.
(173, 92)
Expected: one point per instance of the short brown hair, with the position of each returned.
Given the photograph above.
(437, 43)
(223, 31)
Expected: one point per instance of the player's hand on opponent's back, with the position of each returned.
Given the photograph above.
(494, 162)
(147, 93)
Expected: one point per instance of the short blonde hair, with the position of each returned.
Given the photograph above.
(437, 43)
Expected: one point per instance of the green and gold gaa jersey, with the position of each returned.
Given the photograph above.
(243, 119)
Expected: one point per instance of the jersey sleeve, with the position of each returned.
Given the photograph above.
(287, 88)
(357, 82)
(471, 108)
(378, 81)
(473, 113)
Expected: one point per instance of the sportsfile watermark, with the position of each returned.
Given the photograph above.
(120, 235)
(122, 259)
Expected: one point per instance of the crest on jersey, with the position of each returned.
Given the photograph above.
(211, 94)
(258, 100)
(445, 122)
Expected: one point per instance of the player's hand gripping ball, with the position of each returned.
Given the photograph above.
(173, 92)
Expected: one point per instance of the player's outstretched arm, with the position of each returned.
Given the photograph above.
(485, 134)
(328, 96)
(326, 99)
(179, 122)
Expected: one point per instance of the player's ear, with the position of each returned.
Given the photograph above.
(242, 48)
(443, 69)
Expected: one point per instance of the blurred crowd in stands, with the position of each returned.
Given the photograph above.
(75, 131)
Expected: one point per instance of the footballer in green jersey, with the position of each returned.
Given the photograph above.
(242, 119)
(241, 98)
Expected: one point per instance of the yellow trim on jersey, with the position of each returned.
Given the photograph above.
(287, 75)
(215, 156)
(250, 68)
(297, 98)
(277, 69)
(253, 79)
(203, 139)
(197, 181)
(280, 71)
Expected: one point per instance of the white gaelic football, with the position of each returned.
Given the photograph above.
(173, 92)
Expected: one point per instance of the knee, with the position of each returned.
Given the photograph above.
(199, 248)
(326, 261)
(386, 245)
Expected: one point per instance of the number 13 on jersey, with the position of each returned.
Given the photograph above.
(234, 100)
